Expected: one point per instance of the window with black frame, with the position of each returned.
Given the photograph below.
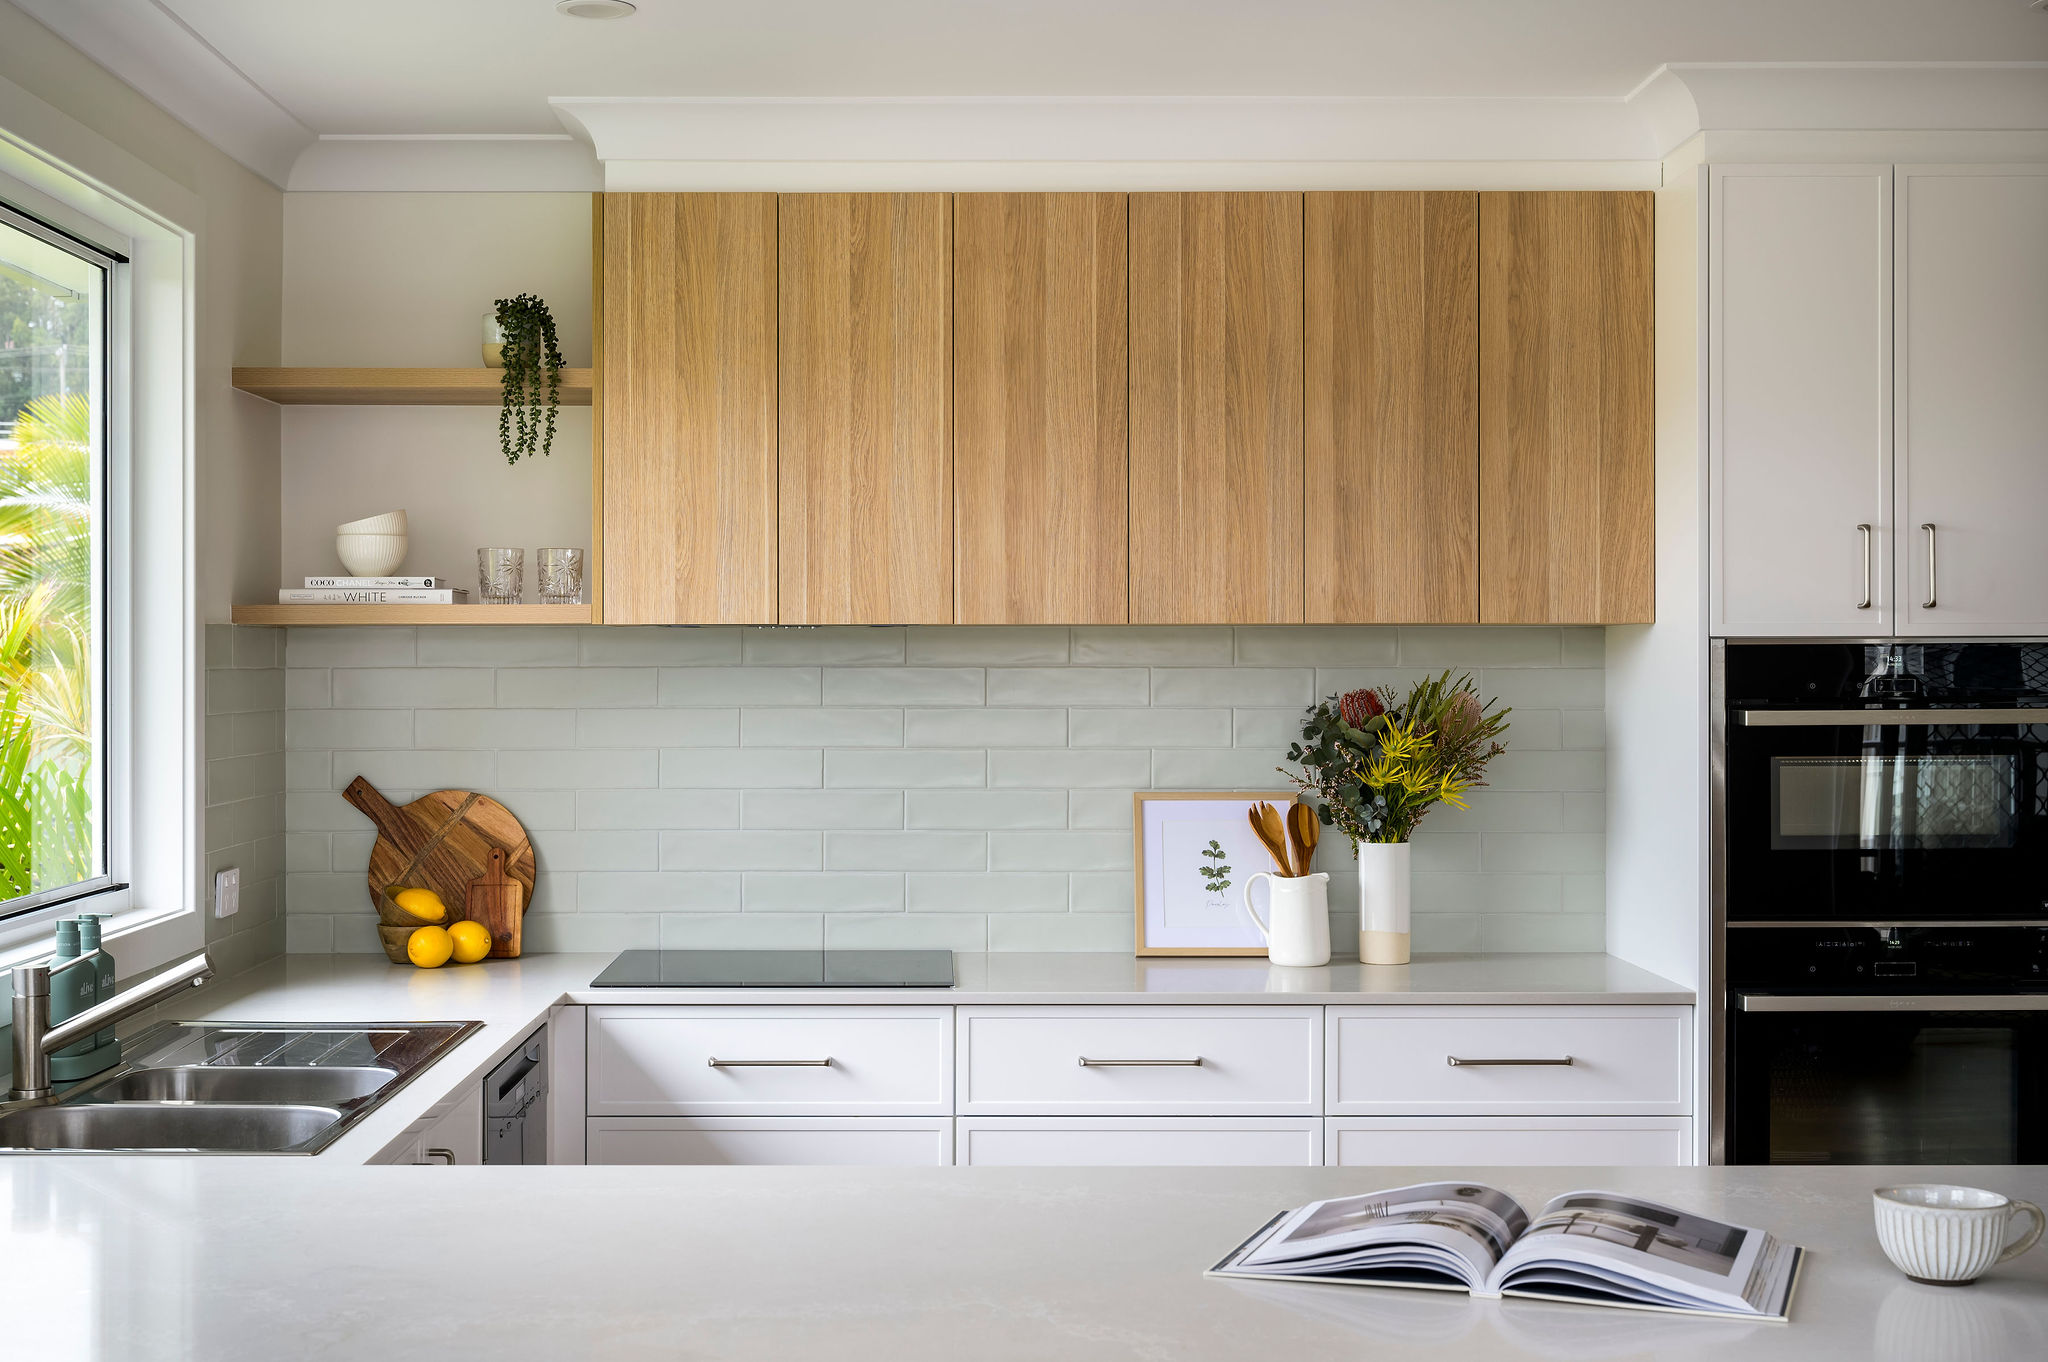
(54, 731)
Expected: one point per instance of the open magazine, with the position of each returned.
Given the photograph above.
(1601, 1248)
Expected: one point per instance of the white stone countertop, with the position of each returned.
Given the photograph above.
(511, 997)
(251, 1260)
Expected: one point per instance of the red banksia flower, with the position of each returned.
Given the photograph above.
(1359, 707)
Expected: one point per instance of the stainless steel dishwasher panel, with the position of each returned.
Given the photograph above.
(515, 1104)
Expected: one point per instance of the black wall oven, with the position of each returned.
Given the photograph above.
(1880, 840)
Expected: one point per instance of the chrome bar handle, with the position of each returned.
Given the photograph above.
(1932, 594)
(718, 1063)
(1088, 1063)
(1457, 1063)
(1864, 604)
(446, 1156)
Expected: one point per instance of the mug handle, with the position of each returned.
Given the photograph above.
(2031, 1237)
(1266, 936)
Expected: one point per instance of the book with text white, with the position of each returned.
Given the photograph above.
(1595, 1248)
(371, 596)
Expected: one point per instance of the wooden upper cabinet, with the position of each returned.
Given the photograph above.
(866, 488)
(687, 334)
(1040, 462)
(1566, 425)
(1215, 408)
(1391, 439)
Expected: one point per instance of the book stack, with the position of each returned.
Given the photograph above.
(374, 591)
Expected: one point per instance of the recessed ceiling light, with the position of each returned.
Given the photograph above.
(594, 9)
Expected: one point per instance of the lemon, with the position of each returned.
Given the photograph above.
(472, 941)
(423, 904)
(429, 946)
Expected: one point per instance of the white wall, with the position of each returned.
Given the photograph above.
(404, 279)
(1656, 711)
(71, 112)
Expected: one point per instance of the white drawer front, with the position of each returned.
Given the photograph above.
(1509, 1141)
(1398, 1060)
(658, 1061)
(1145, 1141)
(872, 1141)
(1022, 1061)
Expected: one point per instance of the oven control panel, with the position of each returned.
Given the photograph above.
(1888, 960)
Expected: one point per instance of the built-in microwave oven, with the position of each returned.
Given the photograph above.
(1882, 782)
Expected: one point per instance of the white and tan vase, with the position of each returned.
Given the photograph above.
(1383, 878)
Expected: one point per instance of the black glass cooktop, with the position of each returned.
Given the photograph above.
(778, 969)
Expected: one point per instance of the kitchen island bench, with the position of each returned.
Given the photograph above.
(250, 1260)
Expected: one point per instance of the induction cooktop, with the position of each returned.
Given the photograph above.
(778, 969)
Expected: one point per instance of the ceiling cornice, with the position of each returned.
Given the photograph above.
(151, 49)
(628, 137)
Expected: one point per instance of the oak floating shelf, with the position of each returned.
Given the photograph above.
(411, 614)
(306, 387)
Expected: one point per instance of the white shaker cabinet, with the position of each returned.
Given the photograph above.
(1971, 364)
(1799, 415)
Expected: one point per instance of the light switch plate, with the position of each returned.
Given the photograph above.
(227, 892)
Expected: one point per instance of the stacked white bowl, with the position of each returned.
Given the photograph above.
(374, 547)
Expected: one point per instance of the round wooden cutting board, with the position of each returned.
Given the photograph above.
(441, 841)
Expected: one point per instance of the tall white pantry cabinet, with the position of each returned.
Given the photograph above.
(1877, 400)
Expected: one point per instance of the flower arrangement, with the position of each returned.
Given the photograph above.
(1378, 763)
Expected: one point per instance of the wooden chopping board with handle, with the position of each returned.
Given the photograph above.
(445, 842)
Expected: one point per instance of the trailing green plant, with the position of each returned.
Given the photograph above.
(1377, 763)
(532, 362)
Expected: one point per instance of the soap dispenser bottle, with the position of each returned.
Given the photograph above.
(92, 937)
(71, 992)
(107, 1047)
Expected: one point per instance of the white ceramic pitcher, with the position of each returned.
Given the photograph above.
(1299, 906)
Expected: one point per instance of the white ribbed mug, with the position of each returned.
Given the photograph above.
(1945, 1235)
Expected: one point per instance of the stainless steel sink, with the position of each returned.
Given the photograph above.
(218, 1127)
(317, 1086)
(234, 1088)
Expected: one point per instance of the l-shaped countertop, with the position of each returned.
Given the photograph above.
(511, 997)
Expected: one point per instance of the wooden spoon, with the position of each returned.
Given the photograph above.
(1269, 835)
(1305, 829)
(1297, 852)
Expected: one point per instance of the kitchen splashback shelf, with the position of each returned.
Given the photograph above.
(322, 387)
(412, 614)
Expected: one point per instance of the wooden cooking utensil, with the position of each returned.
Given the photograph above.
(496, 900)
(441, 841)
(1265, 821)
(1297, 851)
(1305, 831)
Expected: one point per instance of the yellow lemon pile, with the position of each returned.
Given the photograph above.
(431, 947)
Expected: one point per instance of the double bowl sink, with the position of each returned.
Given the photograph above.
(234, 1088)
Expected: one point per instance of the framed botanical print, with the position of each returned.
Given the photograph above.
(1194, 851)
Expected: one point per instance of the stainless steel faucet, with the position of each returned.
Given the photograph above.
(35, 1040)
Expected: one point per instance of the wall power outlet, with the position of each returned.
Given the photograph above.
(227, 892)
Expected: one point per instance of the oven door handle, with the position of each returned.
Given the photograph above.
(1887, 718)
(1892, 1002)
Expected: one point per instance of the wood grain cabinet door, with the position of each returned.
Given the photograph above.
(687, 331)
(1040, 456)
(865, 387)
(1216, 461)
(1566, 422)
(1391, 408)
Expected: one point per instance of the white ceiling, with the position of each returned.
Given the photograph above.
(490, 66)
